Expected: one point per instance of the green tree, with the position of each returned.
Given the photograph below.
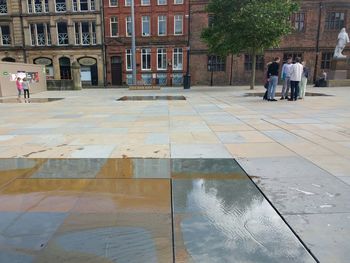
(247, 26)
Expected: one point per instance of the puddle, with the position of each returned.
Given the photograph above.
(278, 94)
(141, 98)
(123, 210)
(31, 100)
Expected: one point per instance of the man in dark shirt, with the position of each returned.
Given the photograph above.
(272, 75)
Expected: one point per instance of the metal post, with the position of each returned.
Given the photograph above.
(133, 42)
(187, 78)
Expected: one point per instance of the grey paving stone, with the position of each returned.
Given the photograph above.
(31, 230)
(327, 235)
(230, 221)
(282, 136)
(199, 151)
(157, 138)
(297, 195)
(7, 256)
(271, 167)
(69, 168)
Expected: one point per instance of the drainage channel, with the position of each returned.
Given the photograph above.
(138, 210)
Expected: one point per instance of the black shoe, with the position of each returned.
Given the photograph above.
(282, 98)
(273, 100)
(290, 99)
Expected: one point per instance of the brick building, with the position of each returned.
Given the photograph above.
(54, 33)
(161, 28)
(330, 15)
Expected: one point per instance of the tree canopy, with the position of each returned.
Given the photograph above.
(247, 26)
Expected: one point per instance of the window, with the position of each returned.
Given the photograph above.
(146, 79)
(40, 34)
(128, 59)
(298, 22)
(128, 26)
(161, 59)
(216, 63)
(248, 62)
(177, 59)
(161, 25)
(326, 60)
(83, 5)
(129, 80)
(178, 20)
(113, 3)
(145, 2)
(5, 35)
(85, 33)
(211, 20)
(146, 26)
(178, 2)
(114, 26)
(335, 20)
(146, 59)
(292, 55)
(62, 33)
(3, 6)
(127, 2)
(38, 6)
(177, 79)
(162, 78)
(161, 2)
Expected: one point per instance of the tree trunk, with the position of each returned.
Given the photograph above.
(252, 83)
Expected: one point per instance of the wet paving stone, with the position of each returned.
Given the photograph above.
(138, 210)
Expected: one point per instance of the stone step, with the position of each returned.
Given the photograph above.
(338, 83)
(142, 87)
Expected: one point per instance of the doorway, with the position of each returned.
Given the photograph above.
(116, 70)
(65, 69)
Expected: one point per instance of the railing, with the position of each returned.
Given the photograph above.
(77, 39)
(6, 40)
(61, 7)
(41, 40)
(38, 8)
(62, 38)
(85, 40)
(3, 9)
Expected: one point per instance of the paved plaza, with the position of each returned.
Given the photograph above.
(297, 153)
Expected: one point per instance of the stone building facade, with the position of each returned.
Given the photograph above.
(327, 15)
(161, 28)
(56, 33)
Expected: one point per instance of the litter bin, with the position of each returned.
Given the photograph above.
(187, 81)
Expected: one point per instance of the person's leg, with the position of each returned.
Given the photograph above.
(25, 93)
(288, 88)
(302, 88)
(269, 89)
(274, 86)
(305, 84)
(292, 90)
(284, 89)
(296, 92)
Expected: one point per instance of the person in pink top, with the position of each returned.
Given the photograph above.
(19, 87)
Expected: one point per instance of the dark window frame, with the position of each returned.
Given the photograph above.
(299, 21)
(332, 23)
(248, 62)
(326, 59)
(216, 63)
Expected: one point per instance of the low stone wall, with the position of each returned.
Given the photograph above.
(64, 84)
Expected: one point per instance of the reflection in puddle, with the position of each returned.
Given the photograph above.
(120, 210)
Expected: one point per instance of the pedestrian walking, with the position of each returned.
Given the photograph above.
(267, 83)
(19, 87)
(273, 73)
(303, 81)
(25, 85)
(295, 78)
(285, 75)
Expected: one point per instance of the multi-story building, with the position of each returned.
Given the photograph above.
(54, 33)
(161, 28)
(317, 26)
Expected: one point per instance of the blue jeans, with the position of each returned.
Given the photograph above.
(272, 87)
(294, 86)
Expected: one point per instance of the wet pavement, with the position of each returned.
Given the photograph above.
(138, 210)
(31, 100)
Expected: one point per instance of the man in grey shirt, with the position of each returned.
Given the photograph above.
(286, 78)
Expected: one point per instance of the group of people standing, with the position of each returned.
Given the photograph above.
(22, 86)
(294, 76)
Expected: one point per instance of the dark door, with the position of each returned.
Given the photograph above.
(65, 69)
(116, 70)
(94, 75)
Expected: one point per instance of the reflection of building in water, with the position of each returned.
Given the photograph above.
(54, 34)
(230, 219)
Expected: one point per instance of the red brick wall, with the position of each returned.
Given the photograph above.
(303, 42)
(118, 45)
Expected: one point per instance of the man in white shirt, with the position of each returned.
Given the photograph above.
(296, 73)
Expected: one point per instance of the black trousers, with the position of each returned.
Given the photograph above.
(26, 93)
(294, 89)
